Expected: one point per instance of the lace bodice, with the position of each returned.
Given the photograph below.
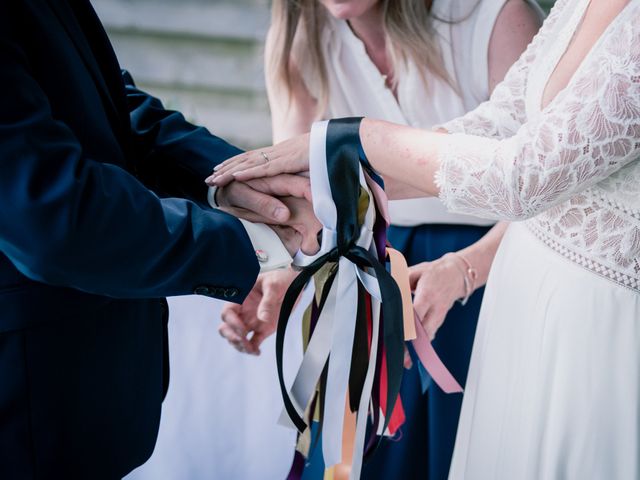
(572, 169)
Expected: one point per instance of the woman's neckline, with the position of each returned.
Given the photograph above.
(582, 13)
(369, 64)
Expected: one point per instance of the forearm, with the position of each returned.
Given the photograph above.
(401, 191)
(102, 232)
(406, 157)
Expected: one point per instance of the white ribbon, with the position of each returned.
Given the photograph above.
(313, 362)
(334, 333)
(346, 312)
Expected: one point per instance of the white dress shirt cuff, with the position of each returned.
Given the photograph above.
(211, 197)
(271, 253)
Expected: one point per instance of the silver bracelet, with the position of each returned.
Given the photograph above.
(469, 276)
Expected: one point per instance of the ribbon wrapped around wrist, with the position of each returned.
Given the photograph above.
(359, 319)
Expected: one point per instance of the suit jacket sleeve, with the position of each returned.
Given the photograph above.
(73, 221)
(173, 156)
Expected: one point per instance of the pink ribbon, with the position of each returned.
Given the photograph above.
(431, 361)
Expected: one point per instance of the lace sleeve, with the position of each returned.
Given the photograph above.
(589, 131)
(503, 114)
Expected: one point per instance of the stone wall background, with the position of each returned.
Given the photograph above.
(203, 57)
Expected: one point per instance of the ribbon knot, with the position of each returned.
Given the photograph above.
(340, 251)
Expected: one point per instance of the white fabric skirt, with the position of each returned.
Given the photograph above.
(219, 420)
(554, 384)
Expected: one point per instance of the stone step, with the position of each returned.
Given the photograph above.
(185, 61)
(241, 21)
(242, 121)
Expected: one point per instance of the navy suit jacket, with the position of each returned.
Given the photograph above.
(102, 214)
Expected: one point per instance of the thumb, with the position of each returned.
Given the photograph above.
(262, 205)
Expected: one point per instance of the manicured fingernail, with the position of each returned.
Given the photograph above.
(217, 167)
(208, 179)
(280, 214)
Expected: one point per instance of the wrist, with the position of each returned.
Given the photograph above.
(468, 272)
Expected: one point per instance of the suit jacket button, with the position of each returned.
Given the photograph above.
(202, 290)
(230, 292)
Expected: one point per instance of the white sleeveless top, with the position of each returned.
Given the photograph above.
(356, 87)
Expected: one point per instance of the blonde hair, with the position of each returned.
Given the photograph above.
(296, 30)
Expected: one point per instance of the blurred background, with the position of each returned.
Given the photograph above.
(203, 57)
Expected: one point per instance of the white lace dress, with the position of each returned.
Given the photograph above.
(554, 385)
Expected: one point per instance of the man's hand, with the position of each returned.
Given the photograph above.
(256, 201)
(290, 156)
(246, 326)
(291, 217)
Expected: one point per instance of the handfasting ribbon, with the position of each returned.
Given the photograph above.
(356, 346)
(343, 164)
(337, 180)
(400, 273)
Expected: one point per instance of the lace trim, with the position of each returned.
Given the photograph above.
(627, 210)
(616, 276)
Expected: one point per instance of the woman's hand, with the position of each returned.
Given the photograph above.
(290, 156)
(246, 326)
(436, 286)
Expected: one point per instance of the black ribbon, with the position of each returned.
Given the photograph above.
(359, 353)
(344, 154)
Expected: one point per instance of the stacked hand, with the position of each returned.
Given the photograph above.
(282, 201)
(288, 157)
(281, 171)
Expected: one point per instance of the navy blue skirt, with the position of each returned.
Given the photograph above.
(423, 447)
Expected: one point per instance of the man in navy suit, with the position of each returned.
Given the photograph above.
(103, 213)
